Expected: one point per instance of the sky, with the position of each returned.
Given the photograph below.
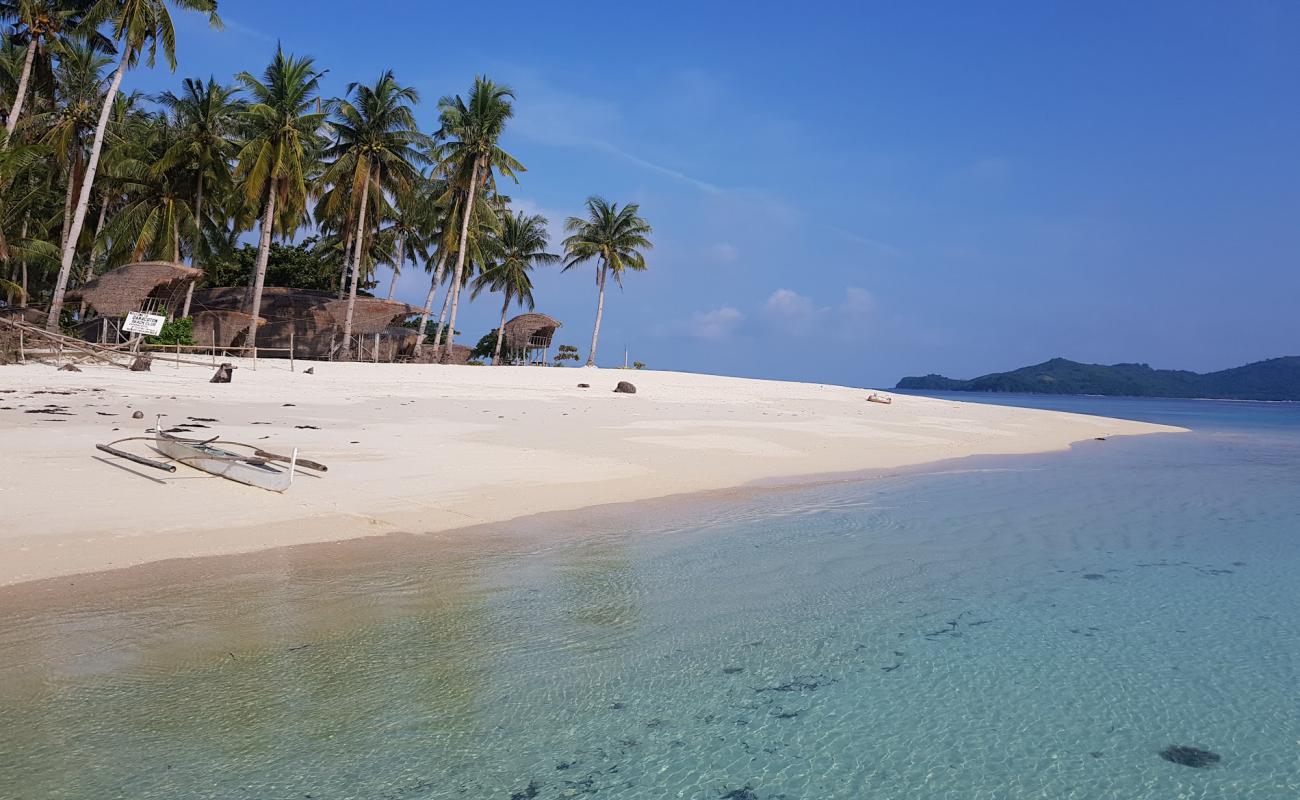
(855, 192)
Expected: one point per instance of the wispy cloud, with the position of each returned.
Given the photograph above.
(720, 323)
(866, 241)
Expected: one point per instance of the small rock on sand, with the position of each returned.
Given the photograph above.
(625, 388)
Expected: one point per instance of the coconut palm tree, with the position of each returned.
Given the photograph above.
(472, 129)
(377, 147)
(138, 26)
(203, 121)
(16, 202)
(156, 216)
(519, 246)
(283, 142)
(613, 236)
(38, 25)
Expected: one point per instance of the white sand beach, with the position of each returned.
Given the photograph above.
(424, 449)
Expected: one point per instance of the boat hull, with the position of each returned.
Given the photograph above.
(225, 464)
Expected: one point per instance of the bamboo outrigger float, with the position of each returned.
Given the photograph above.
(259, 468)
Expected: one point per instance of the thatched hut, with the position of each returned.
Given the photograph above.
(528, 337)
(289, 315)
(158, 286)
(221, 327)
(460, 354)
(370, 314)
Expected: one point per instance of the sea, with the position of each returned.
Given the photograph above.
(1121, 620)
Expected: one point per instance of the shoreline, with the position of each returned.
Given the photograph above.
(519, 535)
(442, 450)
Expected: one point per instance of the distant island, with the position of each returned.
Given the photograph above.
(1274, 379)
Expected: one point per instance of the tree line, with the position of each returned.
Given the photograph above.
(93, 176)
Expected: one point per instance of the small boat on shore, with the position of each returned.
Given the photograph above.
(259, 468)
(251, 470)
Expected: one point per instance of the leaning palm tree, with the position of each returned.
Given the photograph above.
(138, 26)
(519, 246)
(282, 145)
(472, 129)
(38, 25)
(377, 147)
(613, 236)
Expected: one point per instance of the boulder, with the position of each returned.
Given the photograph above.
(142, 364)
(69, 368)
(625, 388)
(138, 415)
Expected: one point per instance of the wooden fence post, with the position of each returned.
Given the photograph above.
(291, 349)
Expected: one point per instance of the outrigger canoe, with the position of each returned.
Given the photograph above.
(249, 470)
(259, 468)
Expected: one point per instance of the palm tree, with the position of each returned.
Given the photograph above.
(203, 120)
(282, 145)
(613, 236)
(517, 248)
(473, 129)
(135, 25)
(377, 147)
(39, 23)
(157, 211)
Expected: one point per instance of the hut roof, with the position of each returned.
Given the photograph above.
(221, 326)
(519, 332)
(279, 303)
(370, 315)
(123, 290)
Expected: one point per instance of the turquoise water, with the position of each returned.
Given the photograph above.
(1029, 627)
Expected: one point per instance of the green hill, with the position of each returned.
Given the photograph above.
(1274, 379)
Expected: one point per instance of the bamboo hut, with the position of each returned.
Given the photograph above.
(156, 286)
(528, 338)
(289, 316)
(222, 328)
(460, 354)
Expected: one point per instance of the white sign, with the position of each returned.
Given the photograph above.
(140, 322)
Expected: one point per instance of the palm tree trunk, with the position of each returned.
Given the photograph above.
(347, 260)
(198, 240)
(600, 310)
(87, 182)
(356, 266)
(259, 267)
(428, 301)
(94, 247)
(461, 249)
(12, 122)
(442, 318)
(501, 329)
(397, 268)
(67, 203)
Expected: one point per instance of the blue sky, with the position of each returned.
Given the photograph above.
(856, 192)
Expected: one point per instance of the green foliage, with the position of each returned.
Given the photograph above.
(300, 266)
(638, 365)
(567, 352)
(430, 328)
(176, 331)
(486, 346)
(1275, 379)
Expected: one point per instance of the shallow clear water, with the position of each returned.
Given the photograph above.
(1034, 627)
